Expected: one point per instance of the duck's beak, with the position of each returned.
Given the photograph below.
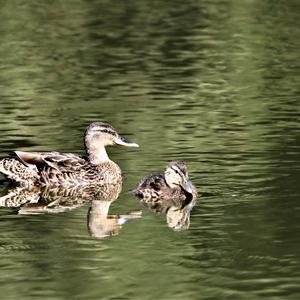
(124, 142)
(187, 185)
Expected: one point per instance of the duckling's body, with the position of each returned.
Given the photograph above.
(173, 188)
(155, 187)
(68, 169)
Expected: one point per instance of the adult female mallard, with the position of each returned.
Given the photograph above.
(173, 187)
(67, 169)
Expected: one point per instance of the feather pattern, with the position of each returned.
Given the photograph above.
(161, 191)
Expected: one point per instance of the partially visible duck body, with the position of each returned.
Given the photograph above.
(173, 188)
(68, 169)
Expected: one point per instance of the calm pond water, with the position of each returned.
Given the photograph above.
(213, 83)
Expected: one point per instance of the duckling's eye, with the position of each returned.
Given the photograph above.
(176, 171)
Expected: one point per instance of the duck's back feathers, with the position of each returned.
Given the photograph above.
(56, 169)
(67, 169)
(60, 161)
(150, 186)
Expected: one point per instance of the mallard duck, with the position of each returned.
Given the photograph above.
(173, 188)
(67, 169)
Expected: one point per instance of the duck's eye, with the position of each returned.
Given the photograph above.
(176, 171)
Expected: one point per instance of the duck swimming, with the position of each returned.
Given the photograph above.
(173, 187)
(68, 169)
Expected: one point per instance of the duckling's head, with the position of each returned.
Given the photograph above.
(99, 134)
(176, 175)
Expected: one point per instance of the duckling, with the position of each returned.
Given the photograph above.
(68, 169)
(173, 188)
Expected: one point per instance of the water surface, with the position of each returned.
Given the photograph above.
(213, 83)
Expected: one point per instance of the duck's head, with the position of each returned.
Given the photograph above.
(176, 176)
(99, 135)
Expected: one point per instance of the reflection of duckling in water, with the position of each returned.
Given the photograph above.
(69, 169)
(171, 193)
(178, 218)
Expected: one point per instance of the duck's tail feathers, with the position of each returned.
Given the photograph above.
(16, 171)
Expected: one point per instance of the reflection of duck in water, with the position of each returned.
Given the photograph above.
(57, 199)
(40, 200)
(101, 224)
(171, 193)
(178, 218)
(68, 169)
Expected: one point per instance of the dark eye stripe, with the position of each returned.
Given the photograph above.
(181, 172)
(102, 130)
(108, 131)
(175, 169)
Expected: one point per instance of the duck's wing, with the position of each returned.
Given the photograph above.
(61, 162)
(28, 159)
(65, 162)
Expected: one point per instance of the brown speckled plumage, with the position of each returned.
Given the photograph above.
(170, 193)
(161, 191)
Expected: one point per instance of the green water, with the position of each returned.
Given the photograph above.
(213, 83)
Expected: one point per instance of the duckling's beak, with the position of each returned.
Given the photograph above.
(124, 142)
(187, 185)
